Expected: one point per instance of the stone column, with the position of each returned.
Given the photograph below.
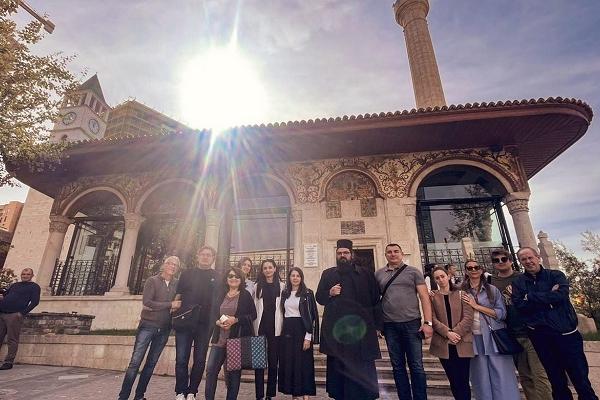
(58, 229)
(133, 222)
(547, 251)
(468, 250)
(410, 215)
(518, 206)
(298, 249)
(427, 85)
(213, 219)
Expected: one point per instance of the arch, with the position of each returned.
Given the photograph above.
(66, 209)
(140, 202)
(284, 184)
(509, 184)
(332, 176)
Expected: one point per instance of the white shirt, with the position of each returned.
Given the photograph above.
(292, 310)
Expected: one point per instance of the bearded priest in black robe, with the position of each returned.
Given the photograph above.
(351, 320)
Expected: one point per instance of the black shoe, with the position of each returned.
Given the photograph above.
(6, 366)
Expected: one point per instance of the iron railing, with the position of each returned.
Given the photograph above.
(83, 277)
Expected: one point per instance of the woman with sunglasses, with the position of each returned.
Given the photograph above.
(269, 323)
(492, 374)
(452, 339)
(300, 330)
(245, 264)
(235, 312)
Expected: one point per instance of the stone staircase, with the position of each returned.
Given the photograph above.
(438, 387)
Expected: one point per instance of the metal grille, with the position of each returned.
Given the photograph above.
(280, 257)
(442, 256)
(83, 277)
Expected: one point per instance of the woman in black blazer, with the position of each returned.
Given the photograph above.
(300, 330)
(237, 309)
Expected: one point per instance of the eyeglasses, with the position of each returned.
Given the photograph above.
(233, 276)
(473, 268)
(499, 260)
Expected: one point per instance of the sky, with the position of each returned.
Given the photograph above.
(327, 58)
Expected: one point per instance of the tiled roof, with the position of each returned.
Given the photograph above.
(321, 122)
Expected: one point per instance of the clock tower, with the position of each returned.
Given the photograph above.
(84, 114)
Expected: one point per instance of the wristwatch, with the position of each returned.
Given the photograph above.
(428, 323)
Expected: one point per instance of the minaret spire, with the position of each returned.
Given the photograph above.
(427, 85)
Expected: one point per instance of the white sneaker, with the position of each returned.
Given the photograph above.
(190, 396)
(180, 396)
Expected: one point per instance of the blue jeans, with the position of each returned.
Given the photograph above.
(405, 345)
(147, 336)
(186, 381)
(232, 379)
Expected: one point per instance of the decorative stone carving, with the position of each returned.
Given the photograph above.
(410, 210)
(334, 209)
(353, 227)
(58, 223)
(518, 205)
(350, 185)
(297, 215)
(368, 207)
(395, 174)
(133, 221)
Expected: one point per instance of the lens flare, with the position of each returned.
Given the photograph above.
(349, 329)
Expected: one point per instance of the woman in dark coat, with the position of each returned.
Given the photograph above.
(237, 306)
(300, 331)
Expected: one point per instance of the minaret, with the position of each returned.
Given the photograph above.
(412, 16)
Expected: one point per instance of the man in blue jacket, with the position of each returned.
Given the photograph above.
(17, 301)
(542, 298)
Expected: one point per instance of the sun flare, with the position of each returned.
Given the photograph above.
(220, 89)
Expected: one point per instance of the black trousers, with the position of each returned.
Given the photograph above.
(563, 355)
(272, 361)
(457, 371)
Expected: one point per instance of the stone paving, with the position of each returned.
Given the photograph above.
(57, 383)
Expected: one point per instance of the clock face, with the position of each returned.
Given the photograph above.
(68, 118)
(94, 125)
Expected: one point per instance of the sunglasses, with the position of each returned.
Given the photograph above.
(233, 276)
(499, 260)
(473, 268)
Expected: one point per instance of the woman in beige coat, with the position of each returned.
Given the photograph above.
(452, 340)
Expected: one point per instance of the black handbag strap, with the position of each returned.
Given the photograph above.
(387, 285)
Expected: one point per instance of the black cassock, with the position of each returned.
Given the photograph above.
(349, 332)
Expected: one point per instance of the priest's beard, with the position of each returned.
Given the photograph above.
(343, 264)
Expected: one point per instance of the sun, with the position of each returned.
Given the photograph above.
(220, 89)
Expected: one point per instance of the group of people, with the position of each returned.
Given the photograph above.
(221, 306)
(462, 318)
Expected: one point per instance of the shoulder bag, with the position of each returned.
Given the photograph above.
(505, 342)
(188, 320)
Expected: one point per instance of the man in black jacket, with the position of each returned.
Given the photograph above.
(351, 319)
(542, 298)
(17, 301)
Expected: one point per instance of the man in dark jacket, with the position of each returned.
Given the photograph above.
(542, 298)
(17, 301)
(154, 328)
(349, 332)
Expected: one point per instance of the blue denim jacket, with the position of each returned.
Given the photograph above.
(496, 323)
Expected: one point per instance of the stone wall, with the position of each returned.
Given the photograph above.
(111, 312)
(56, 323)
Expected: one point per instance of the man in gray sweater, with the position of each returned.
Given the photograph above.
(154, 328)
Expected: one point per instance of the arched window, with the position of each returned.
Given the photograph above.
(457, 202)
(174, 224)
(91, 264)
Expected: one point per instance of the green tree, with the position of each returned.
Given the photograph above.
(584, 276)
(472, 220)
(31, 90)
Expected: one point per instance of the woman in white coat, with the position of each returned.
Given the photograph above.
(268, 322)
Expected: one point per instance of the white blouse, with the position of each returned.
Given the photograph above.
(292, 310)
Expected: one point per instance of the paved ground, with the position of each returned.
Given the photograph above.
(57, 383)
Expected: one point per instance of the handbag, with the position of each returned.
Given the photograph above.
(248, 352)
(187, 320)
(505, 342)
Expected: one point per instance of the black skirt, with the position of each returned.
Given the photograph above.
(296, 366)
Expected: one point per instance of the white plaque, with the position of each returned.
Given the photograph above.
(311, 255)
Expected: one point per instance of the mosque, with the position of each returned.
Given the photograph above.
(135, 185)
